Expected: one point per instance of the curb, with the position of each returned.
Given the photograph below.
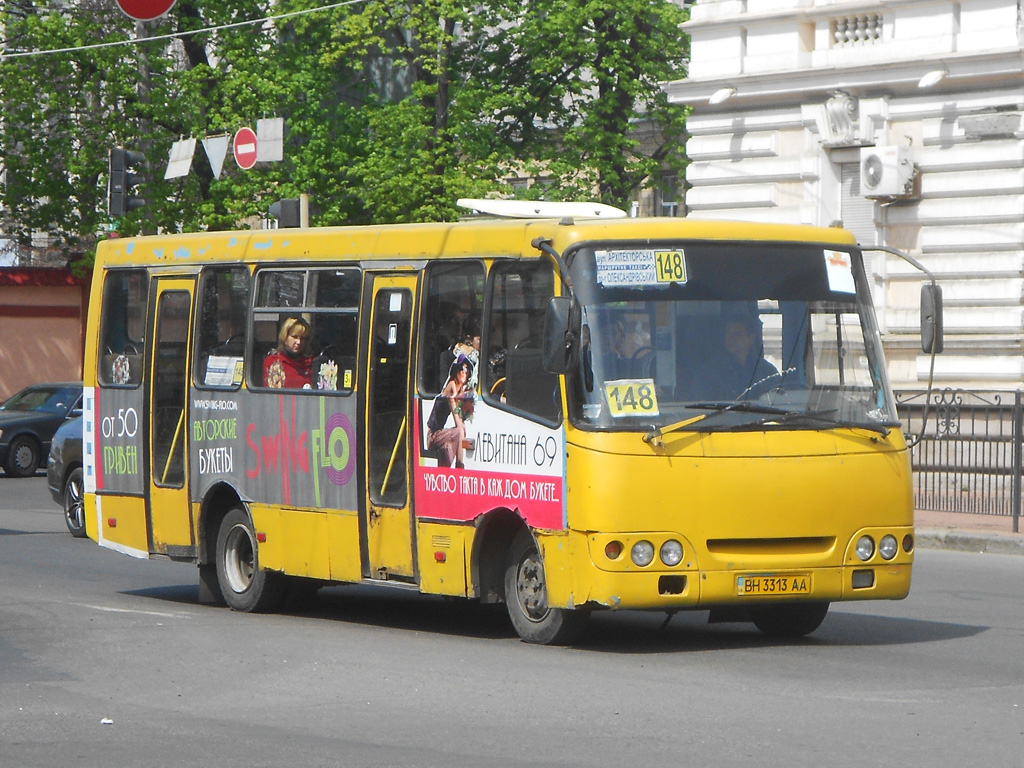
(994, 544)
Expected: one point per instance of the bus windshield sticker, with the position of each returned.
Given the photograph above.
(839, 269)
(631, 397)
(640, 267)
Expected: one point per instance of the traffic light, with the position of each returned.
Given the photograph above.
(287, 212)
(121, 180)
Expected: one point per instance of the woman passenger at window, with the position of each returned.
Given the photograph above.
(288, 367)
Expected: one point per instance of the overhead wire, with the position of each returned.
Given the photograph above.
(176, 35)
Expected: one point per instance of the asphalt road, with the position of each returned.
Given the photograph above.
(109, 661)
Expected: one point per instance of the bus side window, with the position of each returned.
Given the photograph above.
(264, 342)
(279, 296)
(514, 373)
(335, 310)
(451, 320)
(122, 331)
(327, 303)
(221, 337)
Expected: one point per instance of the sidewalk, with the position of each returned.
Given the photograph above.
(968, 532)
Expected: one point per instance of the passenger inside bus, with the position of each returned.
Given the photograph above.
(468, 346)
(288, 366)
(735, 370)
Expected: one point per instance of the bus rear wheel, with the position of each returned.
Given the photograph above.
(244, 586)
(790, 620)
(527, 601)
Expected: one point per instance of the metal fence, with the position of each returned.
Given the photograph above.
(969, 455)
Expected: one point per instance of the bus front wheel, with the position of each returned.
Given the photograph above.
(244, 586)
(790, 619)
(527, 601)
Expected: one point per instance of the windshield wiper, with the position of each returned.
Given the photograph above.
(714, 408)
(773, 415)
(824, 417)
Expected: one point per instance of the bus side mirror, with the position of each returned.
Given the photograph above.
(931, 318)
(561, 335)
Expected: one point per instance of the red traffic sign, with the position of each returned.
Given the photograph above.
(244, 148)
(145, 10)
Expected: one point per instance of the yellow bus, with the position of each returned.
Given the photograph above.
(563, 413)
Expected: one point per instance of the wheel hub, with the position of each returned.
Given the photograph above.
(23, 457)
(530, 589)
(240, 560)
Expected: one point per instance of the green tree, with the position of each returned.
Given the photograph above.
(59, 115)
(574, 92)
(567, 91)
(393, 109)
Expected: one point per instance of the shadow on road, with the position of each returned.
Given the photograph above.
(619, 632)
(11, 532)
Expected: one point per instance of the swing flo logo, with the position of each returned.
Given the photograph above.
(276, 448)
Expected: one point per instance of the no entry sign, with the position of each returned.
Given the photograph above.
(145, 10)
(245, 148)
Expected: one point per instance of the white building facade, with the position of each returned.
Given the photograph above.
(900, 118)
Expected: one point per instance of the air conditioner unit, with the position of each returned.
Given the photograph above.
(886, 172)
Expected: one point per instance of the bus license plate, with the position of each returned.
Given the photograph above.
(798, 584)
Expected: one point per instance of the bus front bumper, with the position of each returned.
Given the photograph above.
(691, 587)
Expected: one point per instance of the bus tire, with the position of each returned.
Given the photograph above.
(526, 598)
(790, 620)
(243, 585)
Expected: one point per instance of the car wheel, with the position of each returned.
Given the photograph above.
(22, 457)
(74, 503)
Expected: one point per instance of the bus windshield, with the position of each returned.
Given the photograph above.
(713, 336)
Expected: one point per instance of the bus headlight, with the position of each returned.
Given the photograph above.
(865, 548)
(887, 547)
(671, 552)
(642, 553)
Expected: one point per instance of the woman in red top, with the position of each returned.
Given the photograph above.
(287, 367)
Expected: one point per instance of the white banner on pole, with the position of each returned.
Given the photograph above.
(216, 150)
(270, 140)
(180, 160)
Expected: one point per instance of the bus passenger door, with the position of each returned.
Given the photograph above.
(168, 511)
(387, 524)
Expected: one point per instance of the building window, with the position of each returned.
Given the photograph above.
(666, 196)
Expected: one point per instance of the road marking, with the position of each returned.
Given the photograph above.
(161, 614)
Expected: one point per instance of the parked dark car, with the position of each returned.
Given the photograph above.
(65, 475)
(28, 421)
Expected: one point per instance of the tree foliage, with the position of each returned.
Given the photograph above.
(393, 109)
